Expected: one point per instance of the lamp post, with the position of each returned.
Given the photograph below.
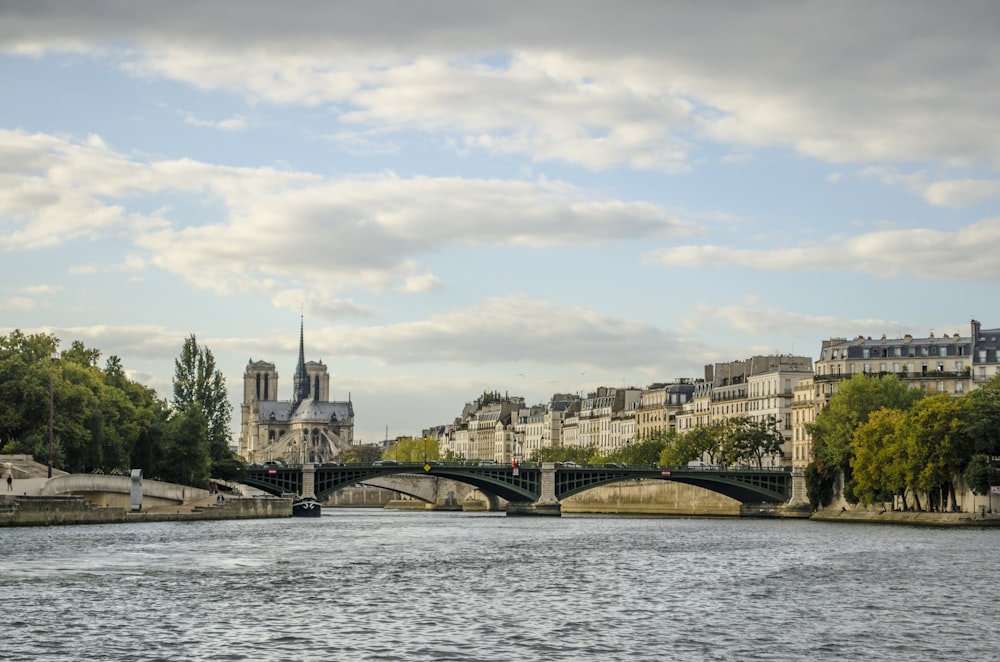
(52, 389)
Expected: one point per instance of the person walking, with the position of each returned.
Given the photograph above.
(10, 481)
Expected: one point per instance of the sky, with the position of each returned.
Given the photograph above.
(525, 197)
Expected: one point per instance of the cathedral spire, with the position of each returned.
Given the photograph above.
(301, 379)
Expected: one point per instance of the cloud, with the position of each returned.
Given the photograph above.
(513, 327)
(962, 192)
(965, 253)
(280, 229)
(235, 123)
(843, 82)
(778, 324)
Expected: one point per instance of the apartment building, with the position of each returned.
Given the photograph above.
(660, 405)
(698, 410)
(809, 399)
(603, 419)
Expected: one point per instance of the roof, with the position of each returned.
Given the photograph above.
(308, 410)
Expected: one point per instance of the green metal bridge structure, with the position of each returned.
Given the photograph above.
(533, 489)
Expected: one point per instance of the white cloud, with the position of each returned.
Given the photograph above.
(235, 123)
(513, 327)
(905, 83)
(419, 283)
(284, 228)
(778, 324)
(961, 192)
(965, 253)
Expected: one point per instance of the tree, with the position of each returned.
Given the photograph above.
(199, 385)
(879, 462)
(186, 458)
(937, 446)
(746, 439)
(578, 454)
(360, 454)
(984, 418)
(704, 441)
(849, 408)
(408, 449)
(980, 475)
(643, 452)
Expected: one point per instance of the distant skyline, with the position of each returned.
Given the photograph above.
(524, 197)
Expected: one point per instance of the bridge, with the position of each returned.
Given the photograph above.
(533, 489)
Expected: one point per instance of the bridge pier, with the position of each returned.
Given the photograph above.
(307, 505)
(547, 504)
(308, 481)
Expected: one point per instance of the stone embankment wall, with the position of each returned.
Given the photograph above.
(232, 508)
(652, 497)
(53, 510)
(360, 497)
(918, 518)
(57, 510)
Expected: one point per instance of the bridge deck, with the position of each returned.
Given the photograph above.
(522, 484)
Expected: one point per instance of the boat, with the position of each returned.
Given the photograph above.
(306, 507)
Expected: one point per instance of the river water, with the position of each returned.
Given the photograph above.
(387, 585)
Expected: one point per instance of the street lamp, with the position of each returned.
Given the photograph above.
(52, 388)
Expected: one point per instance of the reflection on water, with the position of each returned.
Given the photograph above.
(383, 585)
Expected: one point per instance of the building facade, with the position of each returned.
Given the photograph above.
(309, 428)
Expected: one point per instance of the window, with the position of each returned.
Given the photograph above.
(897, 351)
(865, 354)
(942, 351)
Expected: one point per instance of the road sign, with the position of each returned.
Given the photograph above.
(665, 474)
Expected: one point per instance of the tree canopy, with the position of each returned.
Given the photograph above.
(102, 420)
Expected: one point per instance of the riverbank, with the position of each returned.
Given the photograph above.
(64, 510)
(909, 517)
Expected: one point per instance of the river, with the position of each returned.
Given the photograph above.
(388, 585)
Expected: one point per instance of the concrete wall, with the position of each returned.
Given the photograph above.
(360, 497)
(652, 497)
(232, 508)
(115, 491)
(54, 510)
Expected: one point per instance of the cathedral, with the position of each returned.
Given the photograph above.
(309, 428)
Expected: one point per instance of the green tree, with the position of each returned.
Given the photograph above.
(408, 449)
(984, 418)
(819, 486)
(578, 454)
(980, 474)
(644, 451)
(879, 463)
(186, 457)
(704, 441)
(855, 400)
(365, 454)
(749, 440)
(199, 385)
(937, 445)
(25, 371)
